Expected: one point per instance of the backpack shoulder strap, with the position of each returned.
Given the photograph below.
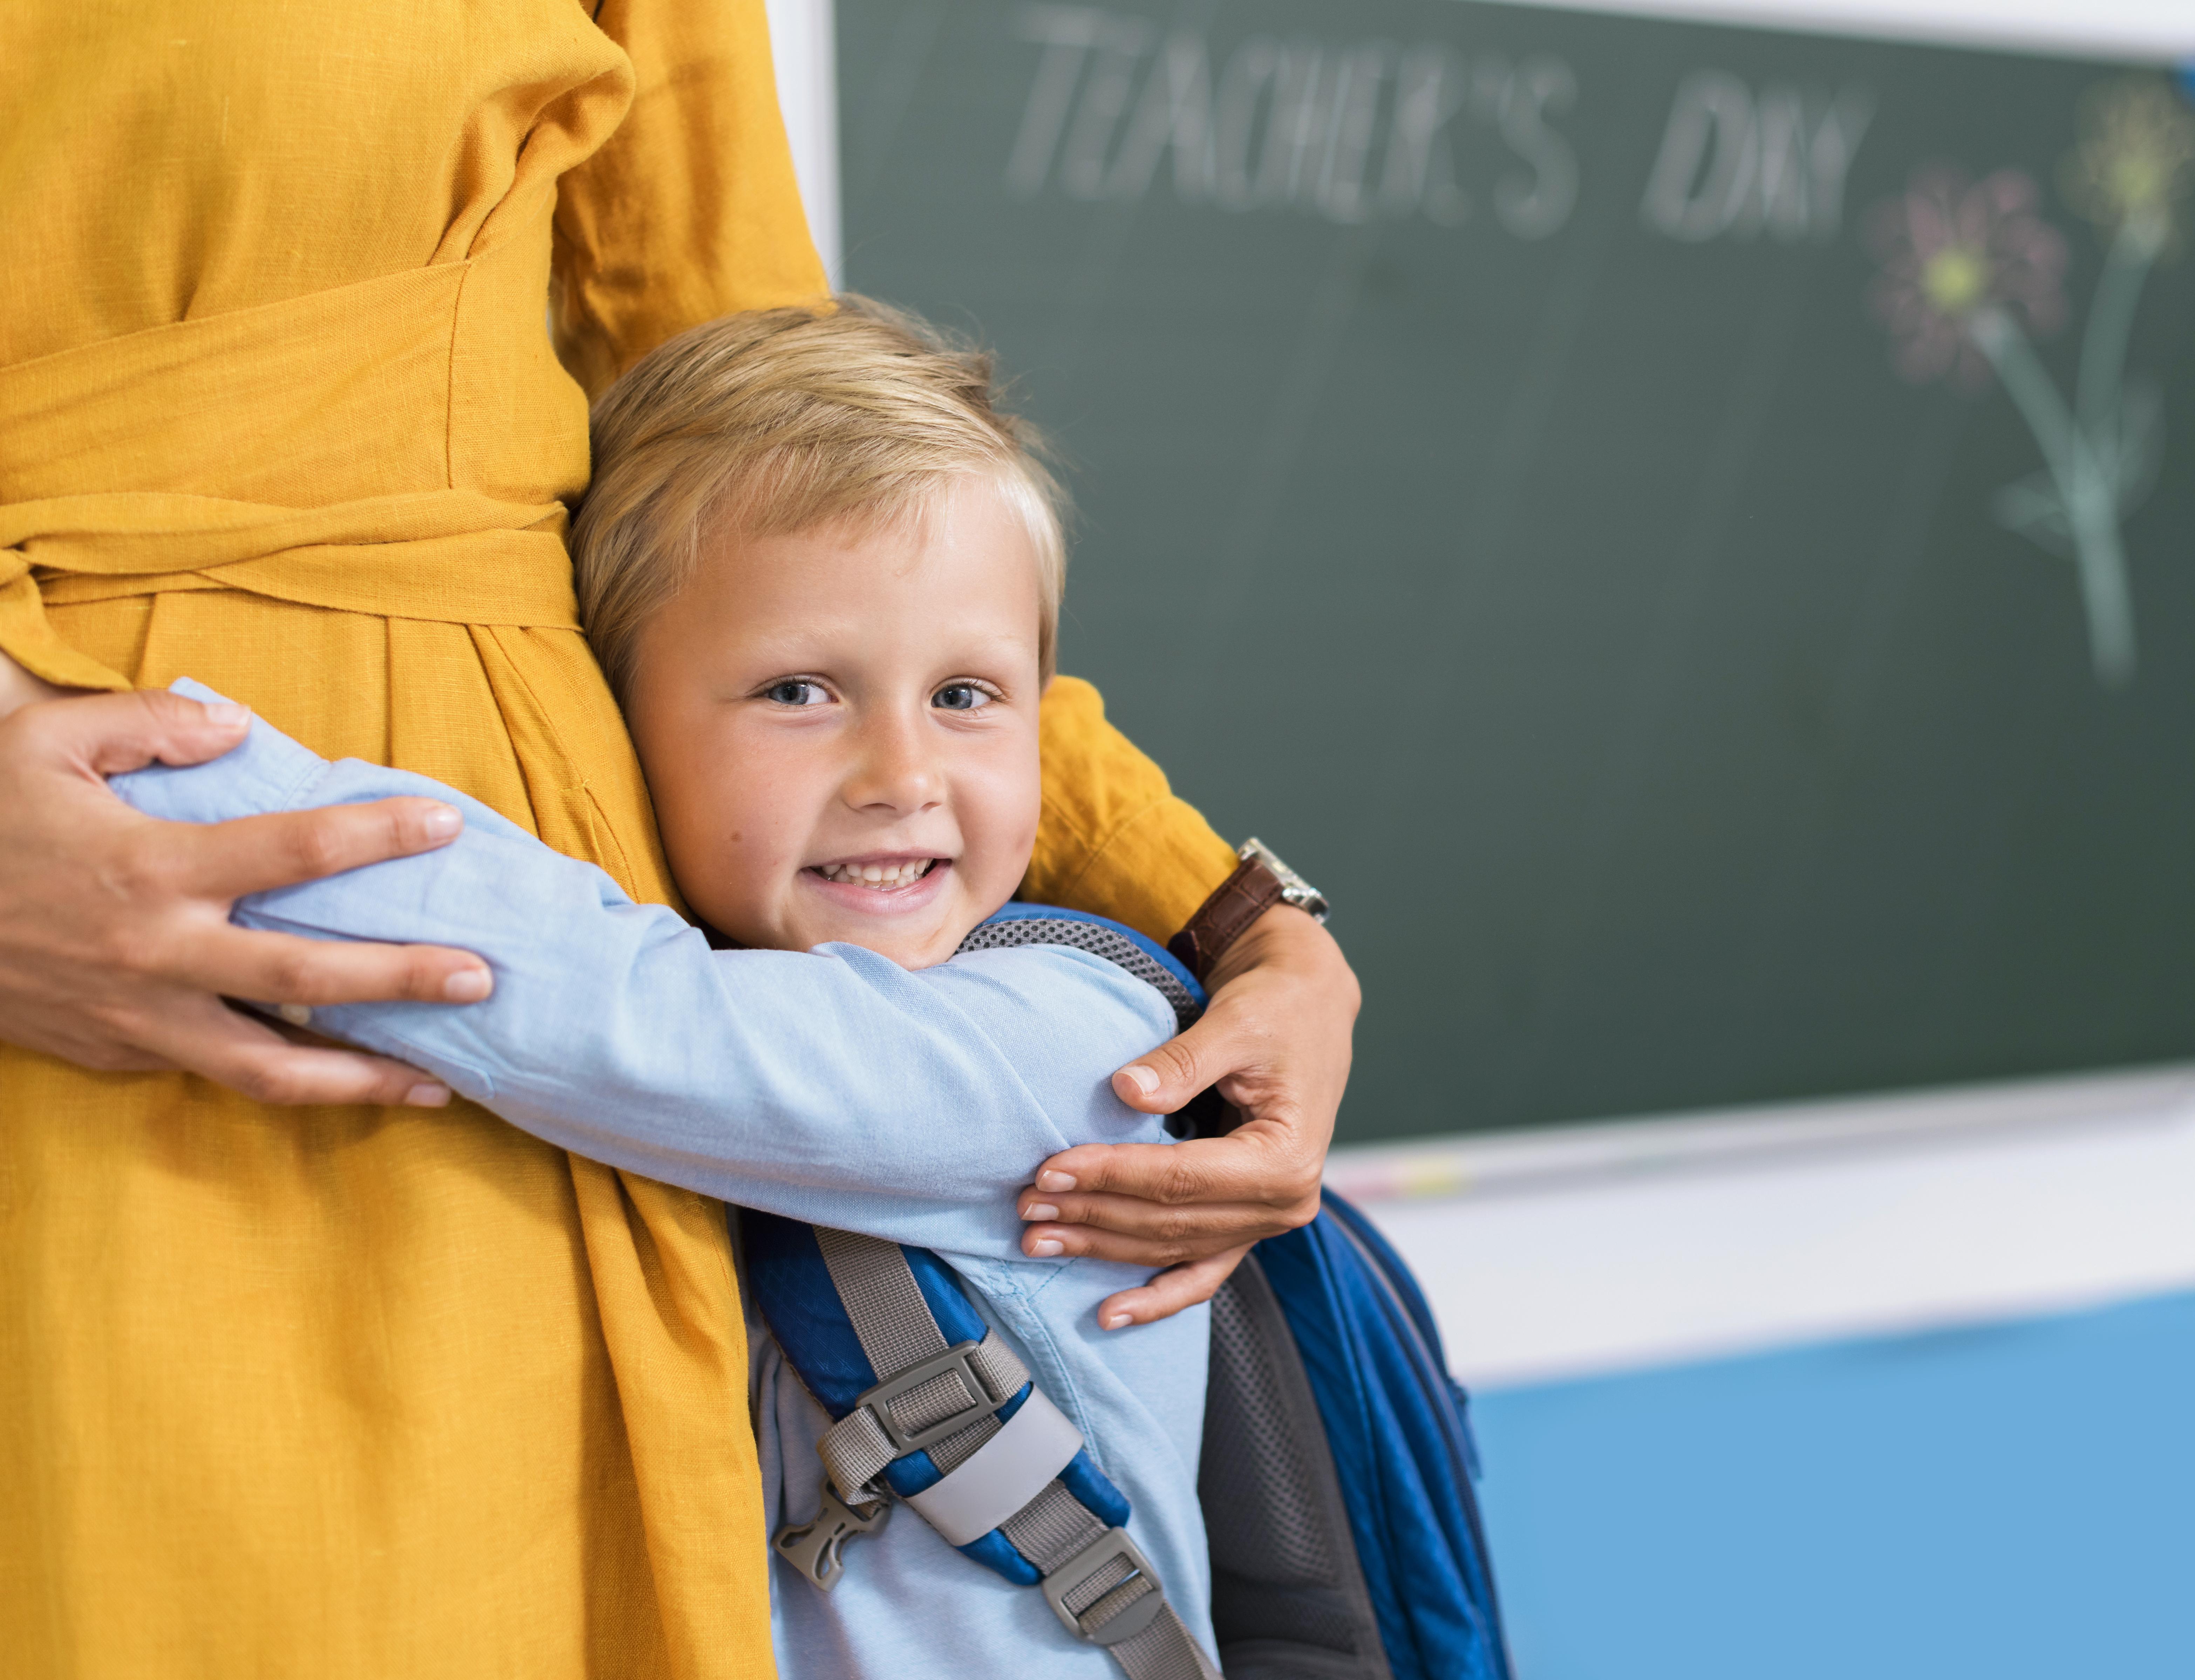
(1288, 1595)
(931, 1406)
(1396, 1433)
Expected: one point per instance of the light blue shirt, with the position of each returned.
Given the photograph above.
(831, 1085)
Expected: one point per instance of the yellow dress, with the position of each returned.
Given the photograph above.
(363, 1392)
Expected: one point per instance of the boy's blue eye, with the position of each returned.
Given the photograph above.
(959, 697)
(796, 694)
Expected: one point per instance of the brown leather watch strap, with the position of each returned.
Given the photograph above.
(1220, 920)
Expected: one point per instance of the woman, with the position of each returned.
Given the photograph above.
(374, 1389)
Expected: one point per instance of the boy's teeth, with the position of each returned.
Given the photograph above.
(878, 875)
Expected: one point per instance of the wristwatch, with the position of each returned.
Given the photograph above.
(1259, 881)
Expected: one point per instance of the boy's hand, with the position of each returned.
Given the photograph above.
(116, 949)
(1275, 1040)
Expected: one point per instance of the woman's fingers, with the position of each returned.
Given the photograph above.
(1170, 1290)
(1261, 1161)
(203, 1037)
(268, 967)
(115, 943)
(1156, 1205)
(1164, 1081)
(1138, 1203)
(256, 854)
(1169, 1239)
(106, 734)
(219, 862)
(1206, 1226)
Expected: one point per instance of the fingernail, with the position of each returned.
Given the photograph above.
(443, 822)
(1055, 1182)
(427, 1096)
(227, 715)
(1119, 1321)
(1039, 1211)
(1141, 1077)
(1047, 1248)
(468, 985)
(297, 1015)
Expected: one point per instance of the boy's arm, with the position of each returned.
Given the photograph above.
(835, 1086)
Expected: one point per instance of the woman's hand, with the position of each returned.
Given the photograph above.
(116, 949)
(1275, 1040)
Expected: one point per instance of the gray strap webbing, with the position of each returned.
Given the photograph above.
(893, 1321)
(1094, 1579)
(1053, 1531)
(897, 1332)
(856, 1447)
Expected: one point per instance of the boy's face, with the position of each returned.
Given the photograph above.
(839, 729)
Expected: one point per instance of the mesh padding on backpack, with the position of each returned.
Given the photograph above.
(1288, 1600)
(1098, 941)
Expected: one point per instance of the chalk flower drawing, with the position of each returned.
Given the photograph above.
(2136, 155)
(1971, 274)
(1953, 250)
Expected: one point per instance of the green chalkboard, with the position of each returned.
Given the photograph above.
(1687, 534)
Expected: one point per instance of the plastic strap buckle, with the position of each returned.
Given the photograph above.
(1124, 1624)
(876, 1402)
(813, 1548)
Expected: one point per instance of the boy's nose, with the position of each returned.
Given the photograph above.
(893, 771)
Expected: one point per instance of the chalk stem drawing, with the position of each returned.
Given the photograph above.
(1972, 274)
(2101, 459)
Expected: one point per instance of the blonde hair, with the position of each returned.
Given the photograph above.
(780, 420)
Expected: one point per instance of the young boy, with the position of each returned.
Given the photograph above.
(823, 575)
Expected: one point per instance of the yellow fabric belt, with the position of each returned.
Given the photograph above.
(448, 555)
(314, 451)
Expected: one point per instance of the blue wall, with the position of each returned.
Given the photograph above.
(2011, 1501)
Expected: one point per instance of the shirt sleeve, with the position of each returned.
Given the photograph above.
(690, 211)
(1114, 838)
(833, 1086)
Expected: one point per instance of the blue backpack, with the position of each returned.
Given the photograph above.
(1337, 1470)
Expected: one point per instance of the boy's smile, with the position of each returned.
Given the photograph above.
(881, 886)
(839, 727)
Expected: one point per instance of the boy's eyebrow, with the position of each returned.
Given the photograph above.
(774, 654)
(995, 646)
(790, 641)
(804, 636)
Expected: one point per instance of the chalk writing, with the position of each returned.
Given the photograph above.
(1347, 132)
(1735, 163)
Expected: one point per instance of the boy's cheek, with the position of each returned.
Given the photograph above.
(998, 813)
(753, 874)
(720, 856)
